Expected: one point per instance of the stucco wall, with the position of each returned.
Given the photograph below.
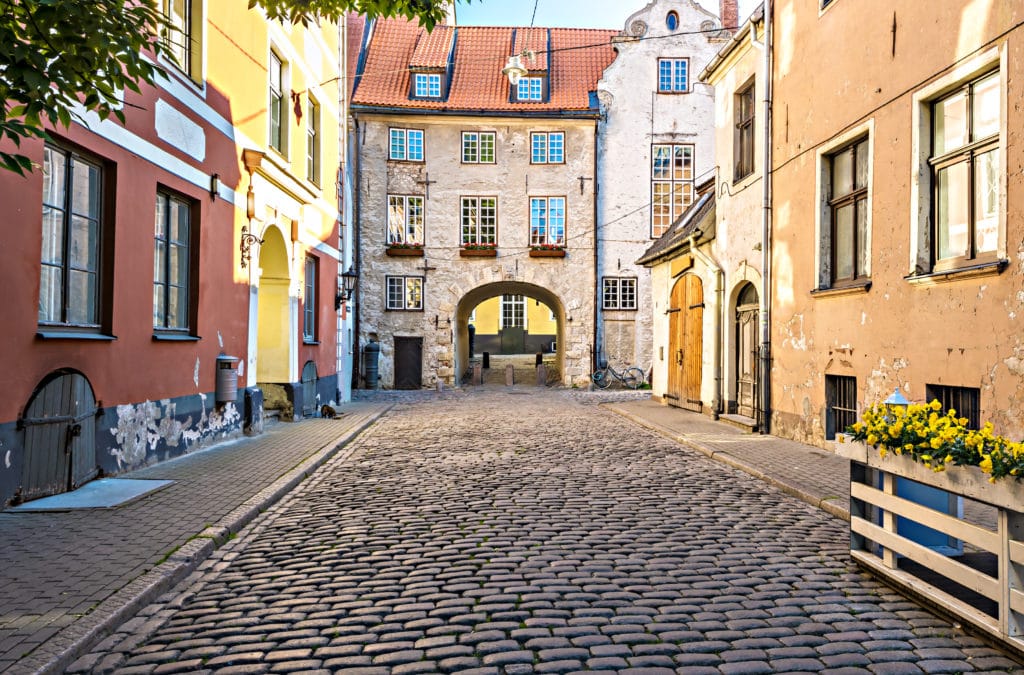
(635, 117)
(449, 277)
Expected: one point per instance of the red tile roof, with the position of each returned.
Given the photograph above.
(432, 48)
(534, 40)
(576, 62)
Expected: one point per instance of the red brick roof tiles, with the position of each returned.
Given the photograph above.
(432, 48)
(577, 60)
(533, 40)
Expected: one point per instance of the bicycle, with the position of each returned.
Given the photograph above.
(631, 377)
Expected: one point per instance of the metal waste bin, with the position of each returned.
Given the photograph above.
(371, 355)
(226, 387)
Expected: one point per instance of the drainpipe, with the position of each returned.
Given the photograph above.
(718, 403)
(597, 257)
(764, 353)
(356, 169)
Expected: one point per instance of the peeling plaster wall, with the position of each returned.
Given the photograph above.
(965, 331)
(635, 117)
(449, 277)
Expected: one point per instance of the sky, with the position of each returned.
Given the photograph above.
(565, 13)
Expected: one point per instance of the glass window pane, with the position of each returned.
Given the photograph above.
(159, 318)
(951, 216)
(415, 228)
(842, 266)
(85, 200)
(160, 262)
(175, 308)
(415, 140)
(950, 121)
(50, 290)
(414, 294)
(556, 144)
(53, 177)
(986, 205)
(178, 266)
(487, 148)
(660, 162)
(81, 297)
(160, 221)
(53, 236)
(83, 252)
(861, 162)
(985, 107)
(539, 148)
(469, 147)
(396, 220)
(842, 173)
(862, 237)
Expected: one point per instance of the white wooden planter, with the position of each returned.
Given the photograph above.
(877, 545)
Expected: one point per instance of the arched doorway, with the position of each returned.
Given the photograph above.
(686, 343)
(273, 342)
(515, 301)
(309, 387)
(746, 350)
(60, 436)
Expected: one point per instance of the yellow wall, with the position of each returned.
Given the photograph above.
(538, 317)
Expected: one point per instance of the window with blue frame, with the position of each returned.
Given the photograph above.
(547, 221)
(406, 144)
(547, 147)
(427, 85)
(530, 89)
(673, 75)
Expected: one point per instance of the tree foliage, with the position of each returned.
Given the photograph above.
(59, 57)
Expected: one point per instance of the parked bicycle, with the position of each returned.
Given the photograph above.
(631, 377)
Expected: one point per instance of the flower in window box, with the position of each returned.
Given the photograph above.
(480, 246)
(547, 247)
(405, 244)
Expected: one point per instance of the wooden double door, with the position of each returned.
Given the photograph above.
(686, 343)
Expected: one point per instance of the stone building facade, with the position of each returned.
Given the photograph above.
(656, 142)
(471, 188)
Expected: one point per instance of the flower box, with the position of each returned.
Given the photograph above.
(547, 253)
(887, 515)
(400, 251)
(478, 252)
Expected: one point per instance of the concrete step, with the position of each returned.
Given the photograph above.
(748, 424)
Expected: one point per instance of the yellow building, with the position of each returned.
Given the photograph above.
(513, 324)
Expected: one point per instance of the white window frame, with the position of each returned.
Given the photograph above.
(479, 224)
(514, 304)
(477, 146)
(676, 64)
(540, 153)
(530, 88)
(402, 143)
(616, 289)
(543, 236)
(427, 85)
(921, 189)
(822, 192)
(277, 100)
(404, 284)
(313, 115)
(683, 186)
(411, 229)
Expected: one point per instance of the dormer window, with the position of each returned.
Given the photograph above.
(530, 89)
(427, 85)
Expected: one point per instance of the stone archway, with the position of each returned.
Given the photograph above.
(474, 297)
(273, 351)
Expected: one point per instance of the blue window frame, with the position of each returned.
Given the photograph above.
(547, 221)
(547, 147)
(530, 89)
(406, 144)
(427, 85)
(673, 75)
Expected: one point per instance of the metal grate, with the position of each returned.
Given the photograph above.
(841, 398)
(965, 400)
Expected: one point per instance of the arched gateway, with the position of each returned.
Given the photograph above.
(474, 297)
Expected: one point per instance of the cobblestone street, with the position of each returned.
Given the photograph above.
(505, 531)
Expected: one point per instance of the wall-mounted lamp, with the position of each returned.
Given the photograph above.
(214, 185)
(514, 68)
(348, 287)
(248, 239)
(252, 159)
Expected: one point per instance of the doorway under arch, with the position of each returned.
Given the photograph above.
(273, 341)
(512, 289)
(745, 338)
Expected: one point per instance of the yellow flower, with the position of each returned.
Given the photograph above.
(872, 439)
(936, 405)
(986, 464)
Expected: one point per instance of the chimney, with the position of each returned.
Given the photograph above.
(729, 14)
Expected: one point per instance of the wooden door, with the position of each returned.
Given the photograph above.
(60, 437)
(309, 385)
(746, 351)
(686, 343)
(408, 362)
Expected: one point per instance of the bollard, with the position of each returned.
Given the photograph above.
(440, 385)
(510, 375)
(539, 358)
(542, 375)
(478, 374)
(487, 360)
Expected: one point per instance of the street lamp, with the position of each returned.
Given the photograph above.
(348, 287)
(514, 69)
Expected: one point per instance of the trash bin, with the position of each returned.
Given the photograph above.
(226, 385)
(371, 355)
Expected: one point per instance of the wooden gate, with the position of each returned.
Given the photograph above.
(746, 351)
(60, 436)
(686, 342)
(309, 382)
(408, 362)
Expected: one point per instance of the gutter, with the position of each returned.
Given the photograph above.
(477, 112)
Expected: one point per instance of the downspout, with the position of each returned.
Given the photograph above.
(764, 353)
(597, 259)
(356, 170)
(717, 403)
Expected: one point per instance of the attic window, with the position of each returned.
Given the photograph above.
(530, 89)
(426, 85)
(672, 21)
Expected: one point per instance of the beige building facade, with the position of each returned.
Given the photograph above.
(896, 245)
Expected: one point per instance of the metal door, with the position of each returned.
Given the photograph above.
(60, 436)
(686, 343)
(746, 351)
(408, 362)
(309, 382)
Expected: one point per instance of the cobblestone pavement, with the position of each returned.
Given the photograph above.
(64, 576)
(519, 532)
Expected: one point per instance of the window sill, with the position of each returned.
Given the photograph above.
(73, 335)
(847, 289)
(310, 343)
(547, 253)
(392, 251)
(175, 337)
(987, 269)
(478, 252)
